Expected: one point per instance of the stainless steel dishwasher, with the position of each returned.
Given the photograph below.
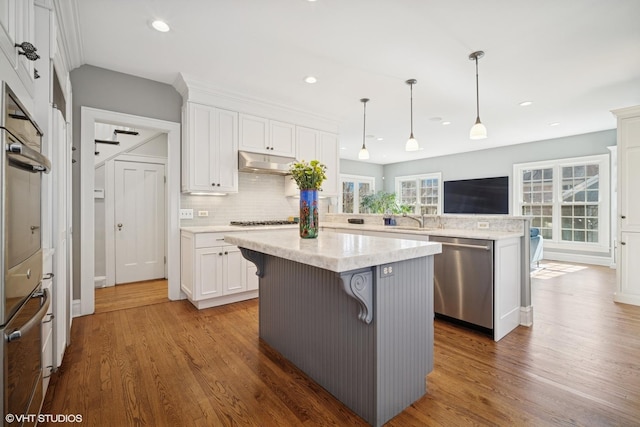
(463, 276)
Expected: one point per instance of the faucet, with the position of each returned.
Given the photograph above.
(420, 221)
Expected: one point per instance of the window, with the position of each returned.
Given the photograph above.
(420, 191)
(568, 199)
(354, 187)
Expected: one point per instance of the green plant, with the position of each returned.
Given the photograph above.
(308, 176)
(384, 203)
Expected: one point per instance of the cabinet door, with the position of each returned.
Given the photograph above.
(306, 144)
(226, 152)
(25, 32)
(253, 280)
(328, 154)
(254, 133)
(234, 273)
(629, 178)
(282, 138)
(209, 276)
(629, 267)
(8, 29)
(200, 147)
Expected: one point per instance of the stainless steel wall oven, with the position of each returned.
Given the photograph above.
(23, 303)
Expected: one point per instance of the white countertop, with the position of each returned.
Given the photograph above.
(446, 232)
(337, 252)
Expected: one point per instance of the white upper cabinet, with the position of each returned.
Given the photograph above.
(260, 135)
(210, 149)
(312, 144)
(17, 25)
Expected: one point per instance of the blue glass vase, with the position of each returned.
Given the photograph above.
(308, 214)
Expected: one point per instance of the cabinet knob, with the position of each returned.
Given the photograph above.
(623, 243)
(217, 185)
(119, 226)
(623, 216)
(213, 184)
(226, 253)
(219, 253)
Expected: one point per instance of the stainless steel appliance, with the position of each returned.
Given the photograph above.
(463, 280)
(23, 303)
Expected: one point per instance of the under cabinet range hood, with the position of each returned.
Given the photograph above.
(264, 163)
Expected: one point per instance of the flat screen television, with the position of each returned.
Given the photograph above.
(477, 196)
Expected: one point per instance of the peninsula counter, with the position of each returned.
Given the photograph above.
(353, 312)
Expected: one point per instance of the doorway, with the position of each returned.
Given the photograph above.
(89, 117)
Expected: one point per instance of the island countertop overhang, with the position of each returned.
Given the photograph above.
(336, 252)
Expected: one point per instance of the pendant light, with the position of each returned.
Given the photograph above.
(364, 153)
(478, 131)
(412, 142)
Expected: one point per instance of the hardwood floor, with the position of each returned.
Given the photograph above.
(131, 295)
(169, 364)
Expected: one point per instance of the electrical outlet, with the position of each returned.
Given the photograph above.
(186, 213)
(203, 213)
(386, 270)
(483, 225)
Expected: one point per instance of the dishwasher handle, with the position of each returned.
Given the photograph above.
(464, 245)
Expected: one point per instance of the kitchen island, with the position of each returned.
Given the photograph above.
(355, 313)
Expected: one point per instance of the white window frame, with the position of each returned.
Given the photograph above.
(417, 179)
(357, 179)
(604, 225)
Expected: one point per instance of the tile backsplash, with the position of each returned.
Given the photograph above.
(259, 197)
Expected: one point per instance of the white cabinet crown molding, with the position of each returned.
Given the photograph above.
(193, 90)
(70, 41)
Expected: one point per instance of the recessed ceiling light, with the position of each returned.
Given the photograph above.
(161, 26)
(379, 138)
(554, 124)
(343, 148)
(445, 123)
(310, 79)
(525, 103)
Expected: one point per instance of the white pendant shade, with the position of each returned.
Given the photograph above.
(363, 154)
(412, 144)
(478, 131)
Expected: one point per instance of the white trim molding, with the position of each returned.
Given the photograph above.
(526, 316)
(70, 41)
(88, 117)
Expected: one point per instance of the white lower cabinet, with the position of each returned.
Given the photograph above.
(214, 272)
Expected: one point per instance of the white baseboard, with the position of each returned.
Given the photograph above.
(626, 298)
(75, 309)
(100, 281)
(526, 316)
(577, 258)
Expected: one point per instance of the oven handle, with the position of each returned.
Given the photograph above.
(35, 320)
(35, 162)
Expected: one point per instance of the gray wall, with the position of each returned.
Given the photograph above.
(500, 161)
(351, 167)
(109, 90)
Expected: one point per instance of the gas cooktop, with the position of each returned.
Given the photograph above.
(269, 222)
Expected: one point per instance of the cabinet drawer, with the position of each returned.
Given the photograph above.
(207, 240)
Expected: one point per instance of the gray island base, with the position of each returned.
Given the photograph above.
(359, 322)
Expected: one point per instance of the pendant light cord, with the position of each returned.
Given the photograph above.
(411, 89)
(477, 93)
(364, 123)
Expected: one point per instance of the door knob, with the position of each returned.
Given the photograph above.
(119, 226)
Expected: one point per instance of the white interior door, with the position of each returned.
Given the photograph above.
(139, 221)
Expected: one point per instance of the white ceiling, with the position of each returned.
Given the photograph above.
(575, 59)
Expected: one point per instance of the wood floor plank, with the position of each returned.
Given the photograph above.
(168, 364)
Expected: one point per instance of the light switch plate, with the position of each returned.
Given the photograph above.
(203, 213)
(186, 213)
